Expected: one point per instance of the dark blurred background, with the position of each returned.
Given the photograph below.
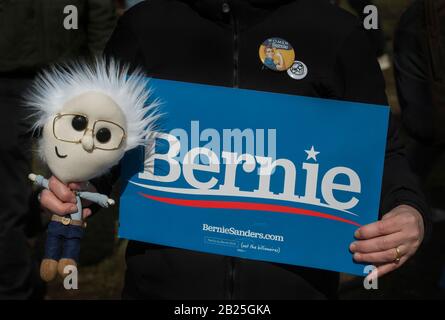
(102, 264)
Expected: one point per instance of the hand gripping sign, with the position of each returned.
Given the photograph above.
(257, 175)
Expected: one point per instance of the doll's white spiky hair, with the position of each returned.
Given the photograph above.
(60, 83)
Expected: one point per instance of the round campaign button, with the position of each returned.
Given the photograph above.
(298, 70)
(277, 54)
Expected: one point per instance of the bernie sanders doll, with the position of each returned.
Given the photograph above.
(90, 115)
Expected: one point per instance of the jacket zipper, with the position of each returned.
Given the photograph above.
(41, 11)
(235, 28)
(231, 278)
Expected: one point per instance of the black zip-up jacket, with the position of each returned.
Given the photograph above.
(419, 65)
(209, 42)
(32, 32)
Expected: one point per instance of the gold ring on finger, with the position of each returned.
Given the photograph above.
(398, 255)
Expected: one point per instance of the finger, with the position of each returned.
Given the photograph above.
(379, 228)
(372, 275)
(86, 213)
(49, 201)
(378, 244)
(61, 191)
(389, 267)
(382, 257)
(82, 186)
(78, 186)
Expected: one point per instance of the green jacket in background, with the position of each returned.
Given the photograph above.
(32, 32)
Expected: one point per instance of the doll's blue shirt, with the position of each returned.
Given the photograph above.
(95, 197)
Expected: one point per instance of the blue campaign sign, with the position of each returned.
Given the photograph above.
(257, 175)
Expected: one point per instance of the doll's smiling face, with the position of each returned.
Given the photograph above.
(85, 139)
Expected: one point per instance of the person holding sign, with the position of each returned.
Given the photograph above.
(219, 43)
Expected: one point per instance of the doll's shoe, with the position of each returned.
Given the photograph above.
(48, 269)
(63, 263)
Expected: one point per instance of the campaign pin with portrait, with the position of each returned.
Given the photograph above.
(277, 54)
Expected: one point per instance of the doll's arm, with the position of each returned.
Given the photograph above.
(95, 197)
(98, 198)
(39, 180)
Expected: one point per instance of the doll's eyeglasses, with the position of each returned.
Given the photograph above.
(72, 127)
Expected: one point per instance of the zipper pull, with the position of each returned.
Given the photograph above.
(225, 8)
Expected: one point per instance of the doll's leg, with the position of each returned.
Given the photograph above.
(71, 250)
(53, 250)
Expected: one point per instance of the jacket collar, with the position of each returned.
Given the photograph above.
(248, 12)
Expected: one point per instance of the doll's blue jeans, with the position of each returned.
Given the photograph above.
(63, 241)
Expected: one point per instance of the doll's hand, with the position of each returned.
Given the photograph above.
(60, 199)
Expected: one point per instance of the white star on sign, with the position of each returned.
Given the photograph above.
(312, 154)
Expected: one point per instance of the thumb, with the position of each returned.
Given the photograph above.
(86, 213)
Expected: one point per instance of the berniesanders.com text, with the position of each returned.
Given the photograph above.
(242, 233)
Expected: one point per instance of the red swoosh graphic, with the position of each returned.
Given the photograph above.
(246, 206)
